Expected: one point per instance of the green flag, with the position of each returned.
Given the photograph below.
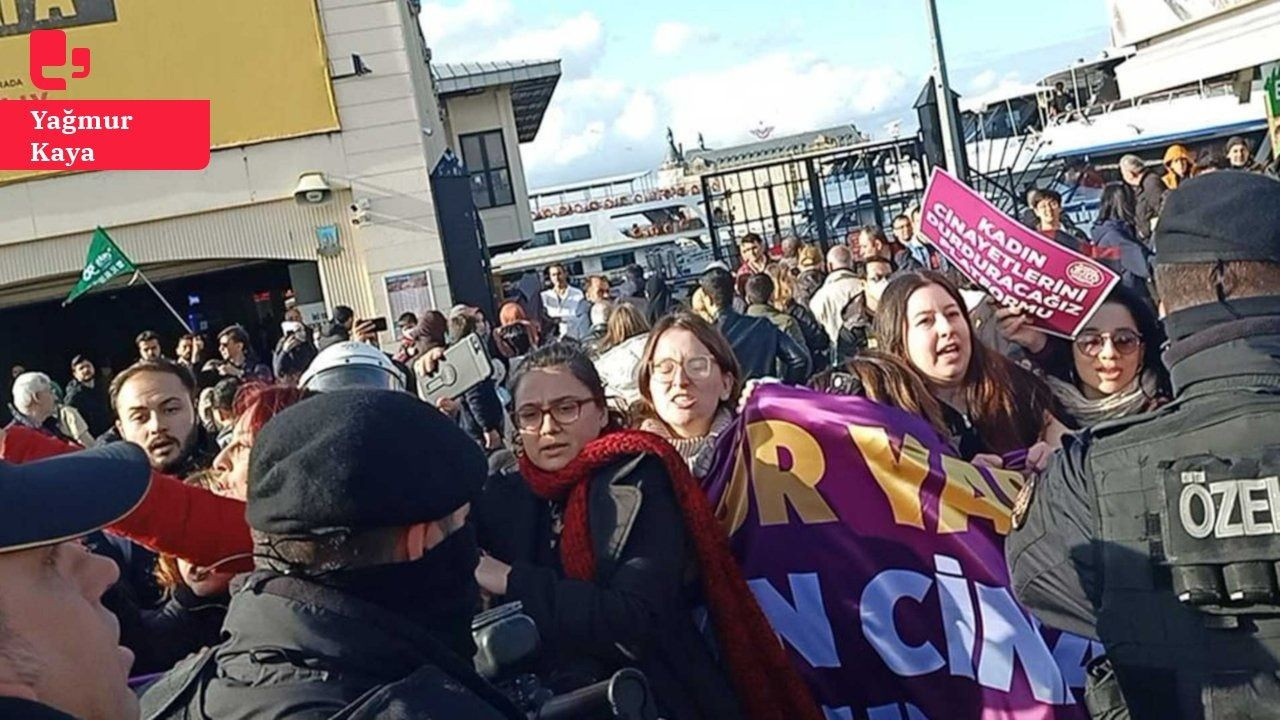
(104, 262)
(1271, 86)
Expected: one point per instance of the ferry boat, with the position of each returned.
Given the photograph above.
(601, 226)
(656, 219)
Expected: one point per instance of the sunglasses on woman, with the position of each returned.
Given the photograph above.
(1126, 342)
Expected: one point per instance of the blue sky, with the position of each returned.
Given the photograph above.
(630, 69)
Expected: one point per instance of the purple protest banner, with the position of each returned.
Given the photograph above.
(1058, 288)
(878, 557)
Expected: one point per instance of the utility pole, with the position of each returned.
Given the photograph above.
(952, 143)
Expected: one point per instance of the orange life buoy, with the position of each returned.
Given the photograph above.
(577, 207)
(564, 210)
(608, 204)
(593, 205)
(638, 198)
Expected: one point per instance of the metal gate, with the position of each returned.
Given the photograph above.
(822, 198)
(818, 198)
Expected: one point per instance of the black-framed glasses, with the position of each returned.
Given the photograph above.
(695, 367)
(565, 412)
(1126, 342)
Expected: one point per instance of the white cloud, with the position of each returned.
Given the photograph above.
(441, 22)
(787, 91)
(639, 116)
(576, 124)
(577, 41)
(598, 127)
(983, 80)
(489, 30)
(670, 37)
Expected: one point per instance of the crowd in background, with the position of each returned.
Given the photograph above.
(599, 419)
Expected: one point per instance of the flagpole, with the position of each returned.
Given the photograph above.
(184, 324)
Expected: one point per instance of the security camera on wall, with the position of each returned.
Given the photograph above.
(312, 189)
(360, 212)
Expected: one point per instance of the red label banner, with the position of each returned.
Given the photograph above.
(82, 135)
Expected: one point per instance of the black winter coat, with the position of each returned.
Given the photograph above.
(92, 403)
(1150, 196)
(481, 411)
(763, 350)
(298, 649)
(815, 338)
(640, 610)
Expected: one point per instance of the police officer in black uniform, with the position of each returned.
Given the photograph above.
(1160, 535)
(364, 588)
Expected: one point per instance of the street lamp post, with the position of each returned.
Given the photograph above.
(952, 144)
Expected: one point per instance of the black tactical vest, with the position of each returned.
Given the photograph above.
(1188, 551)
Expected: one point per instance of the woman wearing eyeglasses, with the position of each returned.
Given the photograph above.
(690, 382)
(608, 542)
(1111, 370)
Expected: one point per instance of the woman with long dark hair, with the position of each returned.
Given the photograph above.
(600, 538)
(992, 406)
(1111, 370)
(1115, 239)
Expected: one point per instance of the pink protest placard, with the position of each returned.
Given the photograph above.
(1059, 289)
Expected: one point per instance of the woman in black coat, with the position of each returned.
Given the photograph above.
(608, 542)
(815, 337)
(1115, 241)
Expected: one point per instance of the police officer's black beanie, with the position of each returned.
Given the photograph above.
(359, 459)
(1227, 215)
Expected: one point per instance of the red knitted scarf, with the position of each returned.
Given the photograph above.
(767, 686)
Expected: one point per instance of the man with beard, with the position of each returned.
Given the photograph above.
(88, 396)
(154, 402)
(362, 597)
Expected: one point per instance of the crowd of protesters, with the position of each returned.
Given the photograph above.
(297, 532)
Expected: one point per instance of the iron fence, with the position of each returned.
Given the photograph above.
(822, 198)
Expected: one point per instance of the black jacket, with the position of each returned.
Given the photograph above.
(815, 338)
(639, 611)
(298, 649)
(1150, 196)
(184, 624)
(763, 350)
(481, 410)
(92, 403)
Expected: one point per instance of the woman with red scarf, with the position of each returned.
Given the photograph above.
(608, 542)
